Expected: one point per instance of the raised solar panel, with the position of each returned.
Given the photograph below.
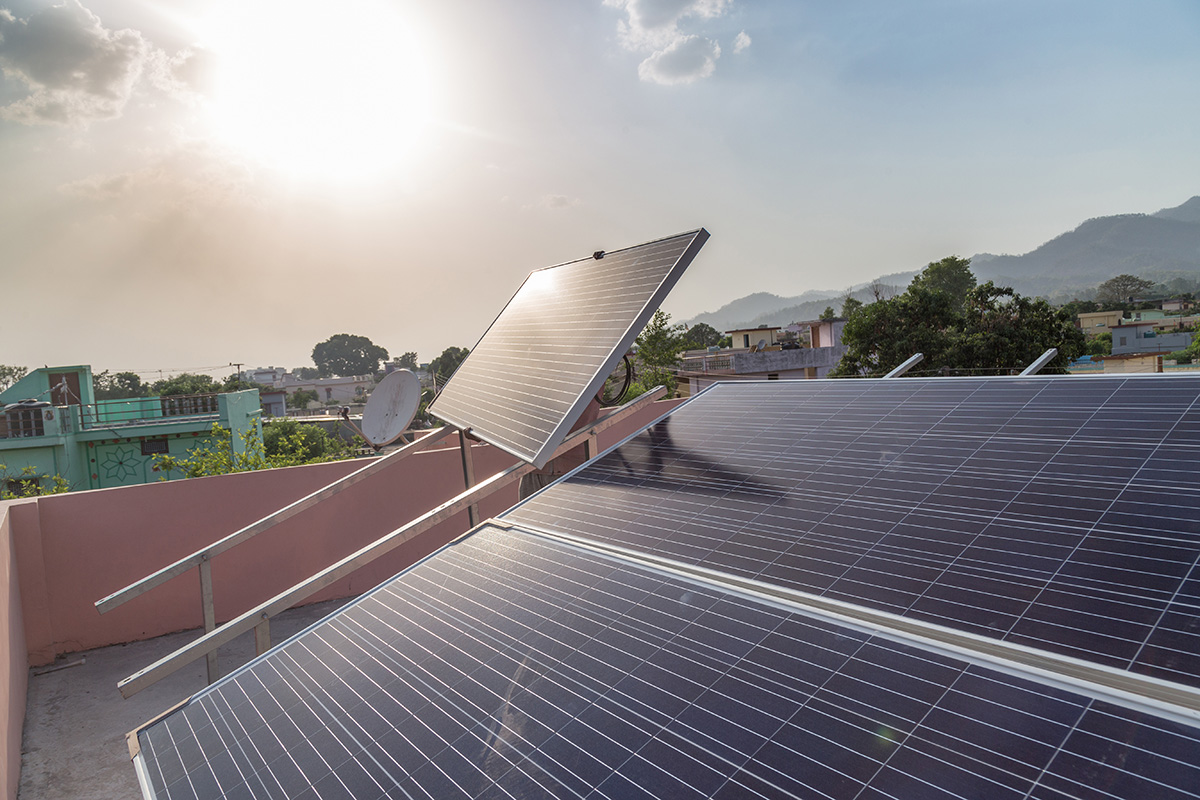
(540, 363)
(513, 666)
(1060, 513)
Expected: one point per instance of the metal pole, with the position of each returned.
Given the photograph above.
(1042, 360)
(913, 360)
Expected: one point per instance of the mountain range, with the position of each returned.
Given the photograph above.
(1163, 247)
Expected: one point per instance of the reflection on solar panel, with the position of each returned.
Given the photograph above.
(1063, 513)
(511, 666)
(548, 353)
(604, 639)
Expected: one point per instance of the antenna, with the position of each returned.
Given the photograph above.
(391, 407)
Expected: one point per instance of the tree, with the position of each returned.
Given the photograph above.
(951, 275)
(994, 329)
(287, 443)
(28, 483)
(1122, 289)
(10, 375)
(828, 314)
(407, 361)
(658, 348)
(306, 373)
(1001, 330)
(344, 354)
(301, 398)
(185, 383)
(444, 365)
(119, 386)
(701, 335)
(850, 305)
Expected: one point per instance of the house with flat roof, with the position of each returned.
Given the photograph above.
(51, 424)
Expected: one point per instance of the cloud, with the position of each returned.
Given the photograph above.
(77, 70)
(687, 59)
(741, 42)
(559, 201)
(675, 56)
(187, 75)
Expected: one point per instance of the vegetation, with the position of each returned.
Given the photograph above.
(988, 330)
(658, 348)
(408, 361)
(444, 365)
(291, 444)
(344, 354)
(120, 386)
(1122, 288)
(10, 375)
(828, 314)
(1099, 345)
(700, 336)
(28, 483)
(301, 398)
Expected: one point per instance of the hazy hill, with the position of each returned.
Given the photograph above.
(1163, 247)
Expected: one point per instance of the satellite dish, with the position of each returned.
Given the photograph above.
(391, 407)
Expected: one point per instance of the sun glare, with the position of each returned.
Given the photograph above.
(319, 90)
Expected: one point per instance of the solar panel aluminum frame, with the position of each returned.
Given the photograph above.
(622, 345)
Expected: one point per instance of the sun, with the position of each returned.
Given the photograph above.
(319, 90)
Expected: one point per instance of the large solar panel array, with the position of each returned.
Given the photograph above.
(605, 639)
(540, 363)
(1062, 513)
(512, 666)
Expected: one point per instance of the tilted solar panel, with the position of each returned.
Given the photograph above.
(540, 363)
(510, 665)
(1062, 513)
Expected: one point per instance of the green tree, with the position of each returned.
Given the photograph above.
(10, 375)
(119, 386)
(850, 305)
(301, 398)
(951, 275)
(884, 334)
(444, 365)
(1122, 289)
(408, 361)
(701, 335)
(658, 348)
(1099, 345)
(287, 443)
(994, 330)
(828, 313)
(185, 383)
(306, 373)
(28, 483)
(344, 354)
(1002, 330)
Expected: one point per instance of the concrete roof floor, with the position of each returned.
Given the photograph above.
(75, 720)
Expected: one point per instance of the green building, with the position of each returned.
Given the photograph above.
(51, 421)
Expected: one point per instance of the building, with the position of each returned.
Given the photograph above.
(1145, 337)
(746, 338)
(52, 424)
(776, 362)
(341, 390)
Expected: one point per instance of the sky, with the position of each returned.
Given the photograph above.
(189, 184)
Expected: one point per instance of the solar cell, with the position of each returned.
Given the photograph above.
(510, 665)
(539, 364)
(1058, 513)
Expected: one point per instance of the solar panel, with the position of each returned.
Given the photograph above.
(540, 363)
(511, 665)
(1058, 513)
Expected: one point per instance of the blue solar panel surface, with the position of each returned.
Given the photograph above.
(1059, 513)
(513, 666)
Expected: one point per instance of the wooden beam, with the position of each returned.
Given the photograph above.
(250, 531)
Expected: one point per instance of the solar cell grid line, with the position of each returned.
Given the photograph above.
(549, 351)
(450, 681)
(1014, 519)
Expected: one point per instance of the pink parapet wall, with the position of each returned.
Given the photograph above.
(14, 673)
(73, 549)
